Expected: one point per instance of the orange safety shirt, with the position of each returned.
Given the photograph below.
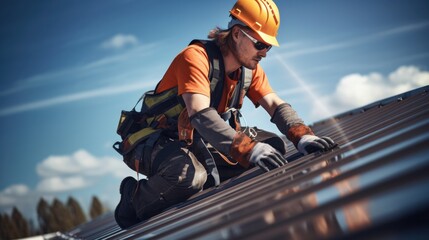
(189, 72)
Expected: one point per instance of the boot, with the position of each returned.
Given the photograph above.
(125, 215)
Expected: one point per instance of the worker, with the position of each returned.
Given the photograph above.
(176, 171)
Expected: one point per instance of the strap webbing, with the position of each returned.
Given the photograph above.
(209, 161)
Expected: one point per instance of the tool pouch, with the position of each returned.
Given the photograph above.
(139, 131)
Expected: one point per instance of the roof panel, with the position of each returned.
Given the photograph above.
(377, 179)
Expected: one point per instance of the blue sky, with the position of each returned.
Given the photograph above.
(67, 69)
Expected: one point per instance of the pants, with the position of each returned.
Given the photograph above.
(176, 175)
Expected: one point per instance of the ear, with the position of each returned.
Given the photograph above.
(235, 31)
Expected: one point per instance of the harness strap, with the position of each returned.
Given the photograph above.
(216, 70)
(226, 159)
(246, 76)
(148, 147)
(203, 152)
(214, 75)
(237, 91)
(137, 159)
(235, 120)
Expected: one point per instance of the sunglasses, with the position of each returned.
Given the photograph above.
(258, 45)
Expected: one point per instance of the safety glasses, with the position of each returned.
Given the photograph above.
(258, 45)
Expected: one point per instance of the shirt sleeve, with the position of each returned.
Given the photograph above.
(188, 72)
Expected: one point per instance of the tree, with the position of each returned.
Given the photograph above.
(78, 217)
(47, 220)
(8, 228)
(20, 223)
(96, 208)
(3, 232)
(44, 216)
(61, 215)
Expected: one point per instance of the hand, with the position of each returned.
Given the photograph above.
(310, 144)
(266, 157)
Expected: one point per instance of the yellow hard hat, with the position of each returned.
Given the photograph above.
(262, 16)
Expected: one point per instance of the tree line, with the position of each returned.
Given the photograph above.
(57, 216)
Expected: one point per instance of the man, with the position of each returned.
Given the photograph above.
(178, 171)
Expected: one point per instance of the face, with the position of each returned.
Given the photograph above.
(249, 49)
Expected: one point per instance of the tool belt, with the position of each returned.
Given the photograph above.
(140, 130)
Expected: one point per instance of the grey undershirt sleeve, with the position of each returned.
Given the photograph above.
(285, 117)
(214, 129)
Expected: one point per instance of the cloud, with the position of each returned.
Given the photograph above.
(54, 80)
(59, 76)
(60, 184)
(404, 29)
(294, 91)
(8, 195)
(61, 175)
(305, 50)
(17, 195)
(120, 41)
(23, 198)
(106, 91)
(81, 163)
(356, 90)
(17, 189)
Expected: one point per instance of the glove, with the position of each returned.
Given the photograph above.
(266, 157)
(310, 144)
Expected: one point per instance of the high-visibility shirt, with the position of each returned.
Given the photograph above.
(189, 72)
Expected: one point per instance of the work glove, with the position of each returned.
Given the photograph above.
(266, 157)
(310, 144)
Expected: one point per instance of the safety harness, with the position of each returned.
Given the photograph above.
(165, 113)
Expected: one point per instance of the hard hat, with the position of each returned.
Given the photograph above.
(262, 16)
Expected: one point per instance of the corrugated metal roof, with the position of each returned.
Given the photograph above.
(375, 185)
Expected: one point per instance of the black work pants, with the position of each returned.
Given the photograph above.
(176, 175)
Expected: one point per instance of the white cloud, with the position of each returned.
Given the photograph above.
(291, 91)
(119, 41)
(408, 77)
(301, 49)
(62, 175)
(8, 196)
(81, 163)
(18, 195)
(23, 198)
(106, 91)
(356, 90)
(17, 189)
(59, 184)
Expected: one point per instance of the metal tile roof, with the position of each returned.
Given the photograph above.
(375, 185)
